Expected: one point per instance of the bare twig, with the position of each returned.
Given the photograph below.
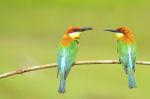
(33, 68)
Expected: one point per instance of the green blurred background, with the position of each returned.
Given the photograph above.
(31, 29)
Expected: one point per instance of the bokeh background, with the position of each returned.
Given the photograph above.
(31, 29)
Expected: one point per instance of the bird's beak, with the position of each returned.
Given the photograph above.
(117, 33)
(85, 29)
(111, 30)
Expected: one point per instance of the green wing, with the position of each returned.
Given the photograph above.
(66, 56)
(127, 54)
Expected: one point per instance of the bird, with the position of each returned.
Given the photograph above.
(67, 51)
(126, 48)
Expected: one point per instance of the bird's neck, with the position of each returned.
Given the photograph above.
(128, 38)
(66, 40)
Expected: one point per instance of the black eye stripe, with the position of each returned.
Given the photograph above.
(75, 32)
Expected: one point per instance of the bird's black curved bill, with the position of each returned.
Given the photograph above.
(111, 30)
(85, 29)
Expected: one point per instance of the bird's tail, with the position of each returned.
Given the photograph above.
(62, 85)
(131, 78)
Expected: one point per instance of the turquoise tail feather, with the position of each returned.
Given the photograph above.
(131, 78)
(62, 86)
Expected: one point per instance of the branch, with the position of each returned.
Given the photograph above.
(28, 69)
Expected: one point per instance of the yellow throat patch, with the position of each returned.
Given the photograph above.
(119, 35)
(75, 35)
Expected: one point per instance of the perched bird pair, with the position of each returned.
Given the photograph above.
(68, 49)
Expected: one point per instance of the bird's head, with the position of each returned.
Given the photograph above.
(74, 32)
(120, 32)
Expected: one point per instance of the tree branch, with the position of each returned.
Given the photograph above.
(28, 69)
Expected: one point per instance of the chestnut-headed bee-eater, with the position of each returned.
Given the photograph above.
(126, 48)
(67, 51)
